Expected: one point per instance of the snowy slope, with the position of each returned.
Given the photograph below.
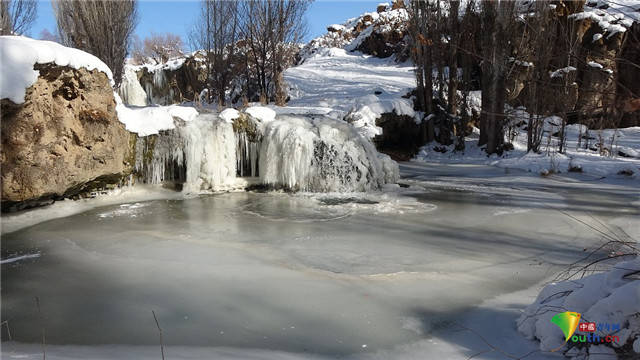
(350, 83)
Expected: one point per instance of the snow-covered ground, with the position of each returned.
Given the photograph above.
(340, 83)
(588, 161)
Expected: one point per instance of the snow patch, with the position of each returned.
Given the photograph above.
(262, 113)
(229, 115)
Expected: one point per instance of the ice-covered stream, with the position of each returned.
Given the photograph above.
(271, 275)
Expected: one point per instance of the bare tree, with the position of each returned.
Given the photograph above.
(158, 47)
(216, 32)
(17, 16)
(269, 27)
(102, 28)
(497, 20)
(45, 34)
(421, 16)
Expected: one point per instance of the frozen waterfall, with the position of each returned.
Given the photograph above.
(294, 152)
(321, 154)
(199, 154)
(130, 89)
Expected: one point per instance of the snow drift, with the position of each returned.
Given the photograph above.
(612, 297)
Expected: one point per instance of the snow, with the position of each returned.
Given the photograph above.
(357, 87)
(18, 55)
(262, 113)
(610, 298)
(594, 64)
(612, 16)
(562, 71)
(151, 120)
(229, 114)
(621, 149)
(597, 37)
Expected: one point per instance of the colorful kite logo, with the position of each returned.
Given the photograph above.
(567, 322)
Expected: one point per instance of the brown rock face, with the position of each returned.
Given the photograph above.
(175, 86)
(65, 139)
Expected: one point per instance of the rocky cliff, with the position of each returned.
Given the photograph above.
(63, 140)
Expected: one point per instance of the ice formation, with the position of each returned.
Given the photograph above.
(200, 154)
(300, 153)
(247, 155)
(130, 89)
(321, 154)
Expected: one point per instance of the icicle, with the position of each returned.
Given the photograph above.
(200, 154)
(321, 154)
(247, 153)
(130, 89)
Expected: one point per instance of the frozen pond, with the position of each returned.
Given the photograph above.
(325, 274)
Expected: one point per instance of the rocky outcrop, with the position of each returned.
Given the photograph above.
(167, 84)
(401, 136)
(602, 80)
(382, 34)
(64, 140)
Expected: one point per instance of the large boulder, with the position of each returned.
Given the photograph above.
(64, 140)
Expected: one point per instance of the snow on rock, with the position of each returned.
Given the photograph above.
(18, 55)
(262, 113)
(594, 64)
(561, 72)
(145, 121)
(611, 297)
(229, 114)
(351, 34)
(612, 16)
(370, 107)
(186, 113)
(151, 120)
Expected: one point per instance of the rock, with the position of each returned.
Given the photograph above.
(397, 4)
(401, 137)
(64, 140)
(174, 85)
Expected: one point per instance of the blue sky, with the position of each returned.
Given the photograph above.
(178, 16)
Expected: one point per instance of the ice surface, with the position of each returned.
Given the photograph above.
(277, 275)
